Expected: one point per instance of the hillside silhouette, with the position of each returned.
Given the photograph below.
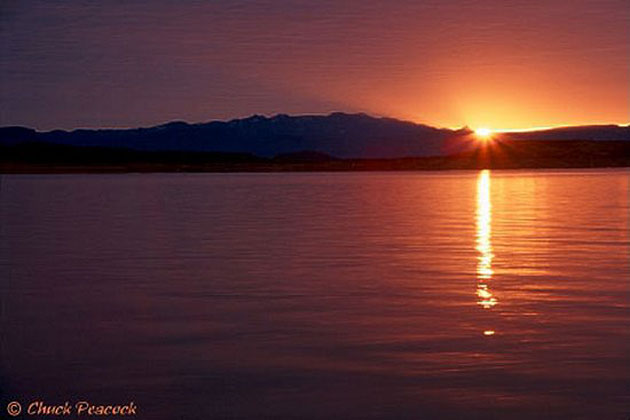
(333, 142)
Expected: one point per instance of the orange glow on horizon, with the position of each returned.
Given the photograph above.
(483, 133)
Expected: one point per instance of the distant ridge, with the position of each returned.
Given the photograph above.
(586, 132)
(338, 135)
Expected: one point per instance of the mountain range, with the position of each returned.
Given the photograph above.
(341, 135)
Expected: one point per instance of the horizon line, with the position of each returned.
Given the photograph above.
(375, 116)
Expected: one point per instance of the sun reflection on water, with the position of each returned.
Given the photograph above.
(484, 244)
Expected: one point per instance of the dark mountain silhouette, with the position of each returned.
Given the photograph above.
(339, 135)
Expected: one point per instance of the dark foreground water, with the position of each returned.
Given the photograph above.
(453, 295)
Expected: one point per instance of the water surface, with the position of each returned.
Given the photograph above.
(451, 295)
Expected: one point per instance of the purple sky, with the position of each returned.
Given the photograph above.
(498, 64)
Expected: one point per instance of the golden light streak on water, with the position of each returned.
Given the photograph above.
(484, 241)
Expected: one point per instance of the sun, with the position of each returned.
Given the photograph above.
(483, 133)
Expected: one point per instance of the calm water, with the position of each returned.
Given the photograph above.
(453, 295)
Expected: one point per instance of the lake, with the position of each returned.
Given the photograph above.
(420, 295)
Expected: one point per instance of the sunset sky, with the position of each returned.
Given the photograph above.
(499, 64)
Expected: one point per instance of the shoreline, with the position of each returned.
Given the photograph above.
(293, 168)
(42, 158)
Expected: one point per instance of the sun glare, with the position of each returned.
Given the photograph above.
(483, 132)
